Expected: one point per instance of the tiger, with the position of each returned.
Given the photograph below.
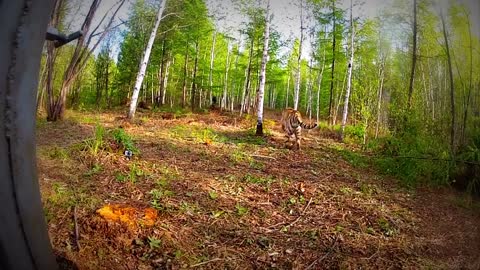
(292, 124)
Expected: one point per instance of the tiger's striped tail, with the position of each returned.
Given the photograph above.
(310, 126)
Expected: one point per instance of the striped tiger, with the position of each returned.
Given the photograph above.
(292, 124)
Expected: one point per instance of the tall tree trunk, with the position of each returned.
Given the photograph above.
(80, 58)
(246, 92)
(144, 63)
(299, 68)
(414, 55)
(232, 105)
(330, 107)
(452, 89)
(160, 97)
(24, 242)
(51, 54)
(165, 81)
(194, 77)
(41, 89)
(185, 71)
(310, 86)
(379, 98)
(338, 101)
(263, 70)
(319, 83)
(203, 101)
(350, 70)
(470, 86)
(210, 75)
(225, 85)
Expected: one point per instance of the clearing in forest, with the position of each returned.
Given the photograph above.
(202, 191)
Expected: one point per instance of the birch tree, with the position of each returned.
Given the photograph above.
(225, 85)
(261, 88)
(334, 43)
(350, 69)
(298, 75)
(83, 50)
(319, 82)
(414, 55)
(452, 87)
(144, 63)
(212, 61)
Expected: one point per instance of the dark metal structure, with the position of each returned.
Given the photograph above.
(24, 241)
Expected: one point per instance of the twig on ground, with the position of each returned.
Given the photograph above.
(260, 156)
(326, 178)
(302, 214)
(203, 263)
(323, 257)
(77, 233)
(276, 225)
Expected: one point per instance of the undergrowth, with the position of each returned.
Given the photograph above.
(105, 141)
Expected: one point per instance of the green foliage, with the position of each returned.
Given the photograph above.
(241, 210)
(471, 169)
(239, 156)
(94, 170)
(414, 159)
(213, 195)
(59, 153)
(154, 243)
(62, 196)
(259, 180)
(97, 143)
(197, 134)
(124, 140)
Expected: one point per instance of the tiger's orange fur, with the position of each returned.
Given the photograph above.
(292, 124)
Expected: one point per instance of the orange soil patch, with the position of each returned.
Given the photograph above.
(128, 215)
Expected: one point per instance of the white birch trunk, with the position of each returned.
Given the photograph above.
(309, 87)
(320, 78)
(165, 81)
(350, 68)
(224, 104)
(144, 63)
(212, 59)
(261, 87)
(298, 74)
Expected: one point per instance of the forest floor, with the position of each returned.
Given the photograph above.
(204, 192)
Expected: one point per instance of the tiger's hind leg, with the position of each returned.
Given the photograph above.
(297, 139)
(289, 138)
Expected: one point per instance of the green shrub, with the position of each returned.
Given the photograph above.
(413, 159)
(97, 143)
(124, 140)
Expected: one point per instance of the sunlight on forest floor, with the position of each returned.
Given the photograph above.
(219, 197)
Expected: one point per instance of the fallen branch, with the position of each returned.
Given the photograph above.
(260, 156)
(301, 215)
(77, 233)
(326, 178)
(203, 263)
(323, 257)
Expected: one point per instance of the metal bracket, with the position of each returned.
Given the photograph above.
(61, 39)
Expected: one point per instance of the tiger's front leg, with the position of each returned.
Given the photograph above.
(289, 138)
